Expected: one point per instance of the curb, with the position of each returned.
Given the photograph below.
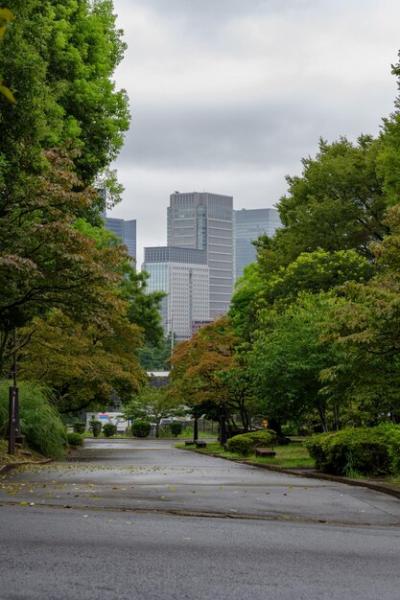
(11, 466)
(376, 487)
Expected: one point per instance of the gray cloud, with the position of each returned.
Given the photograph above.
(229, 95)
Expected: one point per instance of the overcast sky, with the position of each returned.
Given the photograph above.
(227, 96)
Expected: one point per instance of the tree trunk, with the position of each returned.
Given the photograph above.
(223, 435)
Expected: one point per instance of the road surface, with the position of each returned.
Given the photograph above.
(140, 519)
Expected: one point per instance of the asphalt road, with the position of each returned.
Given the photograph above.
(142, 520)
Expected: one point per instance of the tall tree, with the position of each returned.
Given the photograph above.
(337, 203)
(367, 328)
(82, 364)
(205, 375)
(288, 357)
(389, 157)
(59, 57)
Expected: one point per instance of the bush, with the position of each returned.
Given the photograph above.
(246, 443)
(241, 444)
(40, 421)
(368, 451)
(109, 429)
(176, 428)
(95, 427)
(141, 428)
(74, 439)
(79, 427)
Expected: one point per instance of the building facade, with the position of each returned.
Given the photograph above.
(248, 226)
(204, 221)
(126, 231)
(183, 274)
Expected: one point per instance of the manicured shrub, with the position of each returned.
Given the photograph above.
(241, 444)
(95, 427)
(141, 428)
(109, 429)
(246, 443)
(176, 428)
(40, 421)
(368, 451)
(74, 439)
(79, 427)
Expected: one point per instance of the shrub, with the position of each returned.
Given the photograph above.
(141, 428)
(74, 439)
(40, 421)
(79, 427)
(176, 428)
(240, 444)
(109, 429)
(368, 451)
(246, 443)
(95, 427)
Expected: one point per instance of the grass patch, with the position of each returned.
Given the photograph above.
(292, 456)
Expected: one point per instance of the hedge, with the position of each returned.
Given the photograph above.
(109, 429)
(368, 451)
(246, 443)
(141, 428)
(74, 439)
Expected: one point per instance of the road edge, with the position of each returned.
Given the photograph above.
(376, 487)
(11, 466)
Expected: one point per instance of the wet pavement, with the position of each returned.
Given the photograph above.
(129, 519)
(153, 475)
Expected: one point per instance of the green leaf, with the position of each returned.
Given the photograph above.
(7, 93)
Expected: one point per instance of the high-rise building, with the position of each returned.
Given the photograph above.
(183, 274)
(205, 221)
(248, 226)
(126, 231)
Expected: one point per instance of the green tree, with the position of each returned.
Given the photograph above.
(46, 261)
(316, 272)
(144, 306)
(82, 363)
(6, 17)
(154, 404)
(156, 358)
(287, 360)
(337, 203)
(367, 329)
(59, 57)
(389, 157)
(245, 301)
(205, 376)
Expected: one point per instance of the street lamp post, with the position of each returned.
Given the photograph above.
(13, 407)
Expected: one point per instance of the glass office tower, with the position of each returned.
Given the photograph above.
(248, 226)
(205, 221)
(126, 231)
(183, 274)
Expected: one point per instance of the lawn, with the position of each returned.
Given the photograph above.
(292, 456)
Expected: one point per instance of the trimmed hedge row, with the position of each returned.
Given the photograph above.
(246, 443)
(368, 451)
(74, 439)
(141, 428)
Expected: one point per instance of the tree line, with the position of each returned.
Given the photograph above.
(312, 338)
(73, 309)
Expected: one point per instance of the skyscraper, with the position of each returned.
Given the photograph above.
(248, 226)
(205, 221)
(182, 273)
(126, 231)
